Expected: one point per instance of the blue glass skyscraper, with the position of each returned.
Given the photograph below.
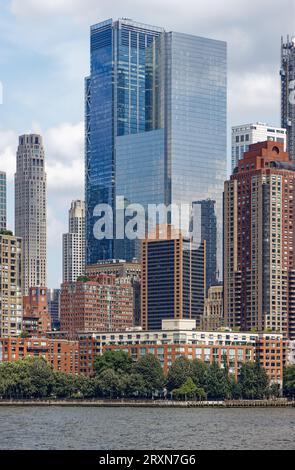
(170, 89)
(115, 106)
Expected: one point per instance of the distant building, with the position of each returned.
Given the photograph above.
(53, 303)
(258, 240)
(30, 210)
(247, 134)
(208, 233)
(212, 319)
(288, 92)
(3, 209)
(122, 269)
(36, 319)
(104, 303)
(10, 285)
(74, 243)
(173, 279)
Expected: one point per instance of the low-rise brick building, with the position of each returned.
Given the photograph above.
(63, 355)
(180, 338)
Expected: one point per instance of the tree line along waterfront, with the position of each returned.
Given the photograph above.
(117, 376)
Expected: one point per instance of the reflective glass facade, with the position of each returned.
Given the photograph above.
(195, 120)
(140, 177)
(156, 123)
(115, 106)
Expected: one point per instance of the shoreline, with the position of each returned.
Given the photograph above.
(149, 404)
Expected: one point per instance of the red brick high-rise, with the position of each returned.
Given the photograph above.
(36, 318)
(259, 241)
(102, 303)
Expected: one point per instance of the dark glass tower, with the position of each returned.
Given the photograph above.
(208, 233)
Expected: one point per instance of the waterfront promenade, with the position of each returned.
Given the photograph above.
(279, 403)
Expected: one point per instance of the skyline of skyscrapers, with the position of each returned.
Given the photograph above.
(161, 97)
(288, 92)
(74, 243)
(31, 210)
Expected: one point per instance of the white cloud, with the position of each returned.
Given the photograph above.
(254, 96)
(46, 7)
(8, 142)
(65, 141)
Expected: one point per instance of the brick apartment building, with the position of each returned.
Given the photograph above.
(36, 318)
(179, 338)
(103, 303)
(259, 242)
(63, 355)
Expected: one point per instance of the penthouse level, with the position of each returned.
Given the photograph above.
(180, 338)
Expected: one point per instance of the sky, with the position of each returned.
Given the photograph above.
(44, 57)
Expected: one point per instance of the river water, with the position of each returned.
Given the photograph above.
(81, 428)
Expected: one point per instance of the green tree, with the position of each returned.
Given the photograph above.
(179, 373)
(119, 361)
(217, 383)
(289, 381)
(110, 384)
(253, 381)
(149, 367)
(198, 372)
(189, 391)
(135, 386)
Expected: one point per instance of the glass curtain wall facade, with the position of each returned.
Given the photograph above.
(155, 125)
(115, 106)
(192, 108)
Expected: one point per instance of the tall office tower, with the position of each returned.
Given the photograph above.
(208, 232)
(10, 285)
(30, 210)
(245, 135)
(74, 243)
(259, 240)
(2, 200)
(173, 282)
(53, 303)
(288, 92)
(154, 102)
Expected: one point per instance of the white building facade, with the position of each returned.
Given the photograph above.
(31, 210)
(247, 134)
(74, 243)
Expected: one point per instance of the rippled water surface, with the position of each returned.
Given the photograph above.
(158, 429)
